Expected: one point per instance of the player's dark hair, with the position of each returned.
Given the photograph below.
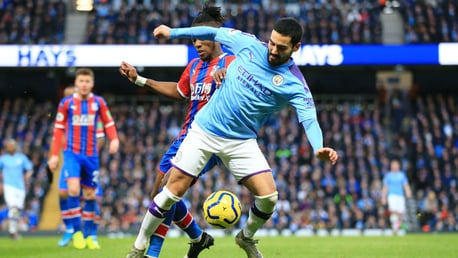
(289, 27)
(84, 71)
(209, 16)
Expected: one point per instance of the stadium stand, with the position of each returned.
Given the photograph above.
(312, 196)
(32, 22)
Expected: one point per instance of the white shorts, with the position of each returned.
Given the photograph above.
(14, 197)
(242, 157)
(397, 203)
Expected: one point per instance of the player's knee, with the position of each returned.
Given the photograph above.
(74, 188)
(63, 194)
(89, 194)
(266, 203)
(74, 191)
(164, 200)
(14, 213)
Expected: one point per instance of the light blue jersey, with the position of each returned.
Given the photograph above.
(13, 168)
(395, 182)
(253, 89)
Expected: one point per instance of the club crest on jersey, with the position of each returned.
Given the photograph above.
(277, 80)
(94, 106)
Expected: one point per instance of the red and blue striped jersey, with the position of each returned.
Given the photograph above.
(196, 84)
(79, 120)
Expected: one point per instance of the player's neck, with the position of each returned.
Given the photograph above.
(83, 97)
(216, 54)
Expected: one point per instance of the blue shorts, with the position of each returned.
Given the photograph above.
(166, 163)
(79, 166)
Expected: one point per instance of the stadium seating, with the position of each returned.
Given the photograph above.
(312, 195)
(32, 22)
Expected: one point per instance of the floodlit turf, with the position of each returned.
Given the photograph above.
(409, 246)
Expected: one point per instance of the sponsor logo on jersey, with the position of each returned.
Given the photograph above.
(83, 120)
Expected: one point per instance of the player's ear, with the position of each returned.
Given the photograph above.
(297, 46)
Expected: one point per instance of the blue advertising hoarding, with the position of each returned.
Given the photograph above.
(180, 55)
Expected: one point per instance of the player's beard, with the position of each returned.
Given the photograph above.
(278, 59)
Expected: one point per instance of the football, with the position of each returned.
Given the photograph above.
(222, 209)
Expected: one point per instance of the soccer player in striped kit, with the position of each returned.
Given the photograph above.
(67, 214)
(196, 84)
(77, 118)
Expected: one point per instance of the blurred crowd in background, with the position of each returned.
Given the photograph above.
(367, 132)
(422, 131)
(324, 22)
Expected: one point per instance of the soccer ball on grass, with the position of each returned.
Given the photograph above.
(222, 209)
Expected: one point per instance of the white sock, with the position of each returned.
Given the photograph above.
(164, 200)
(265, 205)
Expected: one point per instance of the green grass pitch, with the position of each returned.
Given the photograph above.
(409, 246)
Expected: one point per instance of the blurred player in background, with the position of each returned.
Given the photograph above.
(16, 169)
(262, 80)
(66, 214)
(395, 189)
(196, 85)
(76, 119)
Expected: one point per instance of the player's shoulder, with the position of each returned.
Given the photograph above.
(229, 57)
(194, 61)
(98, 98)
(67, 98)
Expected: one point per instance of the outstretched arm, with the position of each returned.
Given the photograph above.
(168, 89)
(315, 136)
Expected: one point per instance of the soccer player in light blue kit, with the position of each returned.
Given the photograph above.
(395, 189)
(262, 79)
(16, 169)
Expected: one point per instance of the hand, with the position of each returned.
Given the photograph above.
(219, 76)
(128, 71)
(52, 162)
(162, 32)
(114, 146)
(327, 153)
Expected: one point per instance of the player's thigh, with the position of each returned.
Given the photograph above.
(396, 203)
(244, 158)
(194, 152)
(70, 173)
(14, 197)
(90, 171)
(165, 164)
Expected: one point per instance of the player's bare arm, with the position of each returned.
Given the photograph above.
(168, 89)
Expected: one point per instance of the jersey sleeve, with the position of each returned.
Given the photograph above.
(100, 131)
(235, 40)
(59, 126)
(62, 115)
(107, 119)
(27, 163)
(183, 84)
